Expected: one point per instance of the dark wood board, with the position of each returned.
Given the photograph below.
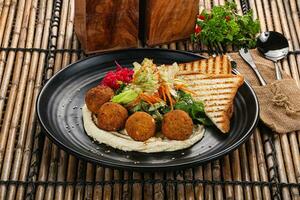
(103, 25)
(169, 21)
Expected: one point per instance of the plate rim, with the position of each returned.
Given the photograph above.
(132, 166)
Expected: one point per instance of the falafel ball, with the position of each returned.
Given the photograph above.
(177, 125)
(140, 126)
(111, 116)
(97, 96)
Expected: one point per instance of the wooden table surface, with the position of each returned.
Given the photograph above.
(37, 39)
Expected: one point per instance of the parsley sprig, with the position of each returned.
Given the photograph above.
(222, 25)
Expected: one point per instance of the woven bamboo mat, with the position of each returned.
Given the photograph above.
(37, 39)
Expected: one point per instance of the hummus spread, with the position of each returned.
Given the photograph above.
(120, 140)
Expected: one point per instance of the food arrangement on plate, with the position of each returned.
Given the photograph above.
(153, 108)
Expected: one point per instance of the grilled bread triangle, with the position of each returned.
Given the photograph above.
(212, 65)
(217, 91)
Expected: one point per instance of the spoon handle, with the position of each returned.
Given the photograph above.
(277, 71)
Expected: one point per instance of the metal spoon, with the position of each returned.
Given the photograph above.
(274, 46)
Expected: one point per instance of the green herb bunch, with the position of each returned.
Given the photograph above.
(222, 25)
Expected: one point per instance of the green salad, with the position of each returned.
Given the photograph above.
(156, 91)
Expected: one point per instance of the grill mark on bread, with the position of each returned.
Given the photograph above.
(202, 66)
(188, 67)
(205, 76)
(181, 67)
(207, 88)
(212, 65)
(196, 65)
(213, 98)
(195, 82)
(216, 105)
(225, 63)
(213, 93)
(216, 102)
(221, 65)
(216, 114)
(217, 63)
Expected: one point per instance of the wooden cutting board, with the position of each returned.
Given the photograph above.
(168, 21)
(103, 25)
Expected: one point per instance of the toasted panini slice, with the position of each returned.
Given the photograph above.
(217, 91)
(212, 65)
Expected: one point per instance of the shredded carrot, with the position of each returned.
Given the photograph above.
(145, 98)
(183, 88)
(157, 97)
(133, 103)
(165, 95)
(188, 91)
(151, 99)
(162, 91)
(136, 101)
(168, 94)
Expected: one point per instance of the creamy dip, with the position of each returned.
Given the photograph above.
(120, 140)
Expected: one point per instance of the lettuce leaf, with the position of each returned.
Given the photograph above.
(194, 108)
(145, 77)
(125, 97)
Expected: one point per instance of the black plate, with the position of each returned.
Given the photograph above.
(59, 111)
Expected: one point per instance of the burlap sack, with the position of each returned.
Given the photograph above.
(279, 100)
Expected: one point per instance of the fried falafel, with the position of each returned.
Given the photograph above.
(177, 125)
(111, 116)
(140, 126)
(97, 96)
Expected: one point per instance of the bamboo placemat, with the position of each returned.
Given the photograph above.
(37, 39)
